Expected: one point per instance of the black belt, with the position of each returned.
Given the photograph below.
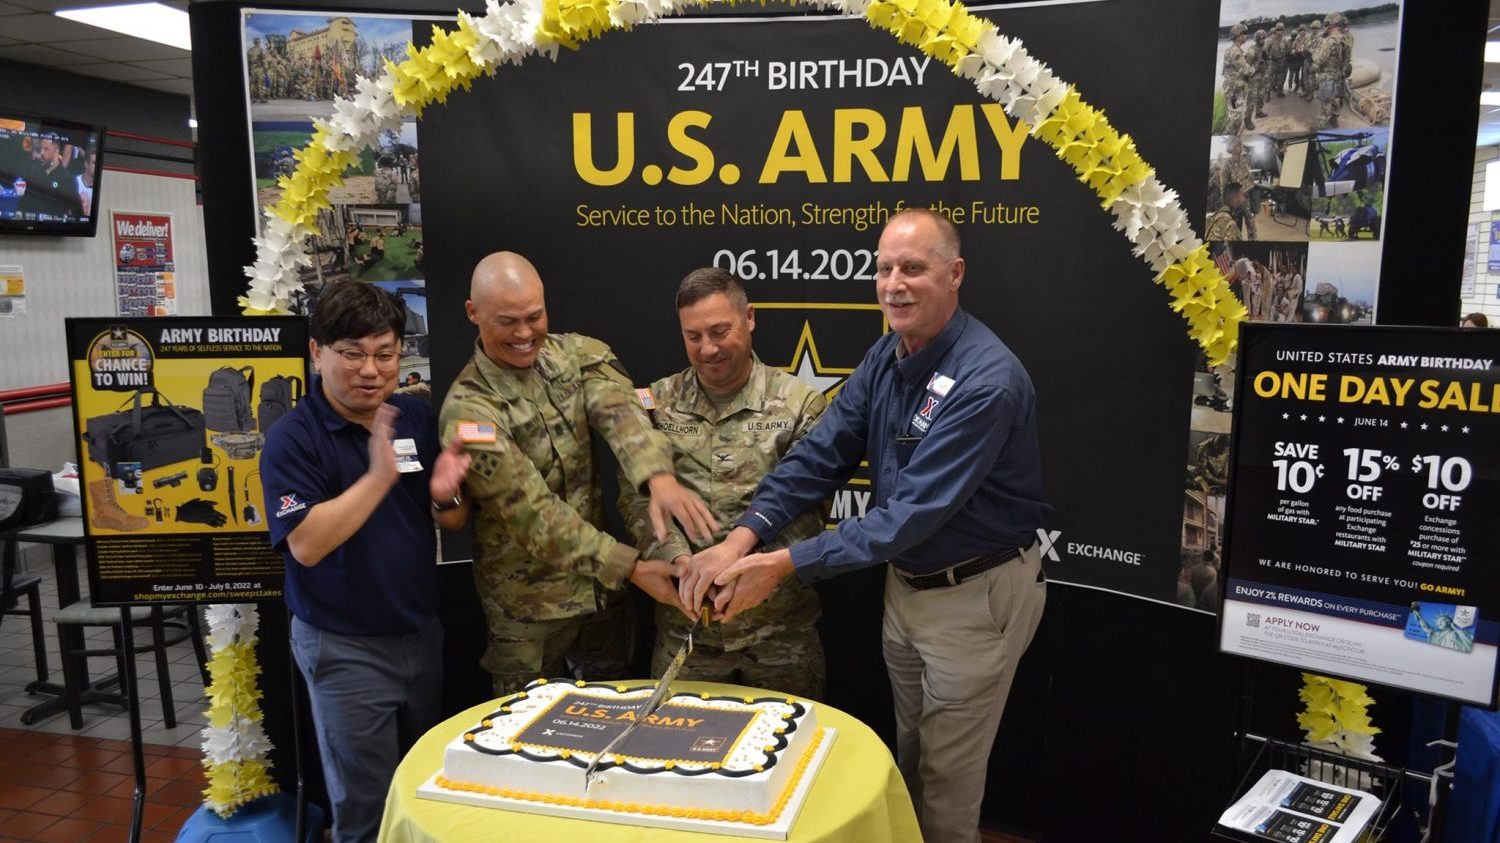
(958, 573)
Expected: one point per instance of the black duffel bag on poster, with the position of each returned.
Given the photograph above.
(158, 434)
(26, 497)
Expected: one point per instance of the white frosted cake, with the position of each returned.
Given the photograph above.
(702, 757)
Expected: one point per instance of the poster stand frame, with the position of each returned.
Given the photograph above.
(1257, 752)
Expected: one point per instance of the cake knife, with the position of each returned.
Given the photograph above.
(653, 702)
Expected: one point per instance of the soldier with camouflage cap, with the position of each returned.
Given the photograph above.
(1259, 79)
(1297, 58)
(547, 574)
(1328, 73)
(1346, 43)
(1278, 48)
(730, 418)
(1309, 76)
(1237, 72)
(1237, 169)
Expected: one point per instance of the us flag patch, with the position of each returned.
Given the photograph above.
(647, 399)
(473, 431)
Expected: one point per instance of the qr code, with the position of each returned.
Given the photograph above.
(1252, 619)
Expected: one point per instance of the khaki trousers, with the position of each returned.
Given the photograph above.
(952, 653)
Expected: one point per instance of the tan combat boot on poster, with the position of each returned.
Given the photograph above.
(107, 513)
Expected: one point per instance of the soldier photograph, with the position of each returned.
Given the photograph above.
(1274, 177)
(1295, 66)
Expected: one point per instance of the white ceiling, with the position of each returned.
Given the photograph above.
(30, 33)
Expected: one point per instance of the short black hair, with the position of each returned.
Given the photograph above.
(352, 310)
(702, 283)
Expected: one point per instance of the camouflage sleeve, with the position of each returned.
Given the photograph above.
(635, 509)
(504, 484)
(809, 523)
(615, 411)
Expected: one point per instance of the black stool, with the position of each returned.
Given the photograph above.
(183, 619)
(12, 587)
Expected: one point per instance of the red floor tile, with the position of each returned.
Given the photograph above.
(170, 767)
(68, 830)
(61, 803)
(21, 797)
(39, 775)
(179, 792)
(24, 826)
(99, 782)
(109, 834)
(106, 809)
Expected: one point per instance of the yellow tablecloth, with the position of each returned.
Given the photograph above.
(858, 796)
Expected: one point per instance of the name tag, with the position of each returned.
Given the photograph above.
(406, 455)
(939, 385)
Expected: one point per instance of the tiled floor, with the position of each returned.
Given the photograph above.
(73, 789)
(58, 784)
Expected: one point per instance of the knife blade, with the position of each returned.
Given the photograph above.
(663, 687)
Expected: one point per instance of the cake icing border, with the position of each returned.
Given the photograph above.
(712, 814)
(670, 765)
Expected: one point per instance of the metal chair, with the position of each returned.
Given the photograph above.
(183, 618)
(13, 586)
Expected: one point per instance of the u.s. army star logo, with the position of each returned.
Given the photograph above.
(853, 326)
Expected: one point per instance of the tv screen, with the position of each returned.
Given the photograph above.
(49, 175)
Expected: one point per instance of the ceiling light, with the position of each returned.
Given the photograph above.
(1492, 52)
(1489, 98)
(151, 21)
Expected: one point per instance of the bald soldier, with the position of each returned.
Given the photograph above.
(548, 575)
(730, 418)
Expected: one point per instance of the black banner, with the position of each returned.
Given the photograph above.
(169, 415)
(776, 148)
(1364, 480)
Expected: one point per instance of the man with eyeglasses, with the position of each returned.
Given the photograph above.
(354, 477)
(548, 575)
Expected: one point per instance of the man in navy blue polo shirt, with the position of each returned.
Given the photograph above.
(353, 476)
(946, 415)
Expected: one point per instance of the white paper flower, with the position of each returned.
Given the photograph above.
(228, 623)
(242, 739)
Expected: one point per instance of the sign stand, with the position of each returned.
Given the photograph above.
(1357, 538)
(133, 710)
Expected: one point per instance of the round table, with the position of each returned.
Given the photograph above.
(858, 795)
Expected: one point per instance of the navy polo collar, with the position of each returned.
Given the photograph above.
(914, 367)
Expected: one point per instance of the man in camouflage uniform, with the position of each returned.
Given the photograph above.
(1259, 79)
(255, 60)
(547, 574)
(1222, 224)
(730, 418)
(1237, 72)
(1277, 50)
(1328, 72)
(1237, 170)
(1297, 59)
(1346, 42)
(1309, 73)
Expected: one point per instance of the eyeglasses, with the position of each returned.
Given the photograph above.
(355, 359)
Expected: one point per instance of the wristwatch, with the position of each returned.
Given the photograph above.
(444, 506)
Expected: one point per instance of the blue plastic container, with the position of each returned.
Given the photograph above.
(271, 819)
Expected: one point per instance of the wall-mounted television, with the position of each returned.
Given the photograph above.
(49, 175)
